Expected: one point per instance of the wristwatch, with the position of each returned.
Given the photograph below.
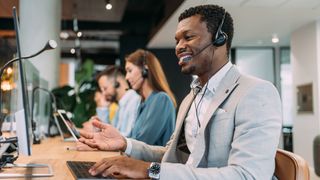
(154, 170)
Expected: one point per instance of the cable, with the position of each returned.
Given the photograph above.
(53, 108)
(9, 140)
(7, 159)
(197, 105)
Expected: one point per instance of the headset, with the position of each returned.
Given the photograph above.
(144, 63)
(116, 83)
(220, 37)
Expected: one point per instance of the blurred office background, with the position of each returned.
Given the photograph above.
(277, 40)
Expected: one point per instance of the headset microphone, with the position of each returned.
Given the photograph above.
(189, 57)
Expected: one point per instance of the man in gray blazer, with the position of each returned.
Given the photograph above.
(228, 126)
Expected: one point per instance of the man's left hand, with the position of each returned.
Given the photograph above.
(83, 147)
(121, 167)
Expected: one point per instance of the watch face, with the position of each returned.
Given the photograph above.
(154, 170)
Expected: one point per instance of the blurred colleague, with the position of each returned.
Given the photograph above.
(228, 126)
(102, 105)
(156, 114)
(115, 88)
(103, 109)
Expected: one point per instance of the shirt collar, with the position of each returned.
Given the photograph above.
(214, 81)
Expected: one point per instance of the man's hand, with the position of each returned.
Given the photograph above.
(88, 126)
(107, 139)
(121, 167)
(83, 147)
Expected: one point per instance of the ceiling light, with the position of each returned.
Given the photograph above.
(79, 34)
(275, 39)
(9, 70)
(108, 5)
(64, 35)
(72, 51)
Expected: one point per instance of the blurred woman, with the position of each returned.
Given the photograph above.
(156, 115)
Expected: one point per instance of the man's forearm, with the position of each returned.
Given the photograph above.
(143, 151)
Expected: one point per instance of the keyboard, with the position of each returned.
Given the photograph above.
(79, 170)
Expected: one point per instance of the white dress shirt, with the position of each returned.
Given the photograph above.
(200, 105)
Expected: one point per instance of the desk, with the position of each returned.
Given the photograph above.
(53, 151)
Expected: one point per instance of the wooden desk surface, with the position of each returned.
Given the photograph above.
(53, 151)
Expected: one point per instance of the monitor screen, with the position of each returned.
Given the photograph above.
(41, 100)
(66, 127)
(24, 129)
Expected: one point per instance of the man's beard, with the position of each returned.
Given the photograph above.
(188, 71)
(112, 98)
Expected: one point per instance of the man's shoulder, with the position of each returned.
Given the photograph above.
(132, 93)
(249, 85)
(131, 96)
(247, 79)
(160, 96)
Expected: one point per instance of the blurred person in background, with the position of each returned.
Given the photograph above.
(115, 89)
(156, 114)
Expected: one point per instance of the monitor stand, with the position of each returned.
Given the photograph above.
(27, 173)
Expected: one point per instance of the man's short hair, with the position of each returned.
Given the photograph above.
(111, 71)
(212, 15)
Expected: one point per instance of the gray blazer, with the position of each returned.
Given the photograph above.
(238, 139)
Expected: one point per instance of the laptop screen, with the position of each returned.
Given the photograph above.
(66, 126)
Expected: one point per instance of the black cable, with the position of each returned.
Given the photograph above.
(197, 105)
(7, 159)
(9, 140)
(53, 104)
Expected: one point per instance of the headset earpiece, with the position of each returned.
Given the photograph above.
(144, 72)
(144, 64)
(220, 37)
(116, 84)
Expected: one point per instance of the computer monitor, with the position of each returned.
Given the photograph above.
(23, 120)
(41, 105)
(22, 117)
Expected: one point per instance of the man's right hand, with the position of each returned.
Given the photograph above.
(107, 139)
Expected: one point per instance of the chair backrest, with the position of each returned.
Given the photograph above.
(290, 166)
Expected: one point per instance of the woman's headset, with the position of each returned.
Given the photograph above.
(144, 63)
(116, 83)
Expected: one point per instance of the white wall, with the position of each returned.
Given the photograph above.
(40, 21)
(305, 69)
(257, 62)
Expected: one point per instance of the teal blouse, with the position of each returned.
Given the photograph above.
(156, 120)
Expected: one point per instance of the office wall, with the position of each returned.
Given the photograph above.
(258, 62)
(179, 83)
(305, 47)
(39, 22)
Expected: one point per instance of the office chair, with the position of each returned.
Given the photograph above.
(290, 166)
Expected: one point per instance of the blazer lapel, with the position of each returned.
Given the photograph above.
(184, 109)
(227, 85)
(171, 155)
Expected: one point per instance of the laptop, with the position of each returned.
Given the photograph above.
(66, 127)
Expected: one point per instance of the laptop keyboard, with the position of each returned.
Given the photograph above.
(80, 169)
